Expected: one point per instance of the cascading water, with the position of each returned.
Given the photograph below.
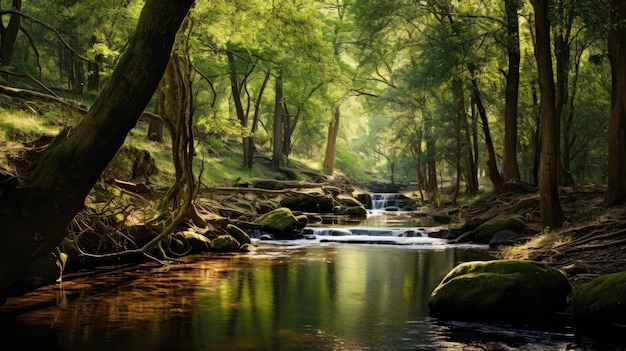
(366, 235)
(382, 201)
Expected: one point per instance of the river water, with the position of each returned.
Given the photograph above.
(297, 295)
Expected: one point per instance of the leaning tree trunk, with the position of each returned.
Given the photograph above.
(549, 203)
(8, 34)
(35, 210)
(616, 188)
(494, 174)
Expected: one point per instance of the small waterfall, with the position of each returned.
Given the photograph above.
(381, 201)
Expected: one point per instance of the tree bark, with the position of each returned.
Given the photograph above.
(616, 187)
(510, 167)
(235, 89)
(277, 154)
(8, 35)
(494, 174)
(35, 212)
(549, 203)
(331, 141)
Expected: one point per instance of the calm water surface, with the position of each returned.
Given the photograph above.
(318, 296)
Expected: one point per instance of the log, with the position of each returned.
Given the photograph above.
(284, 184)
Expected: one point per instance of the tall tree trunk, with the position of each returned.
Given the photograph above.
(616, 188)
(157, 126)
(431, 160)
(8, 35)
(568, 116)
(289, 126)
(494, 174)
(249, 141)
(536, 136)
(235, 89)
(510, 169)
(562, 53)
(35, 213)
(550, 205)
(277, 154)
(465, 151)
(331, 141)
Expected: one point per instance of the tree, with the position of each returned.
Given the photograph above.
(510, 169)
(277, 154)
(550, 205)
(616, 188)
(8, 33)
(35, 210)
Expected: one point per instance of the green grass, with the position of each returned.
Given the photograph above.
(18, 126)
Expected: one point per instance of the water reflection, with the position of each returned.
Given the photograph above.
(310, 297)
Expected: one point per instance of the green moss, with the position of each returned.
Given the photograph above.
(484, 232)
(599, 307)
(507, 290)
(281, 221)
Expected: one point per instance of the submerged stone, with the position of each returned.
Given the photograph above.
(599, 307)
(512, 291)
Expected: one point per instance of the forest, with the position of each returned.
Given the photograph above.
(453, 97)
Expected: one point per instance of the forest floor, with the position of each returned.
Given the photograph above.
(591, 243)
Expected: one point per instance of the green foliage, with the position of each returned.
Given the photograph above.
(387, 65)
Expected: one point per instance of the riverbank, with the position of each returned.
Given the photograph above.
(591, 243)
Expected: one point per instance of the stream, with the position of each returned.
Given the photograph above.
(363, 290)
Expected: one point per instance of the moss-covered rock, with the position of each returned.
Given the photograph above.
(281, 222)
(485, 232)
(506, 237)
(225, 243)
(354, 211)
(513, 291)
(599, 307)
(188, 241)
(309, 202)
(238, 233)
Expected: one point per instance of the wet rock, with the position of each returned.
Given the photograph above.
(485, 232)
(511, 291)
(506, 238)
(348, 201)
(599, 307)
(239, 235)
(282, 223)
(312, 202)
(355, 211)
(45, 270)
(189, 241)
(225, 243)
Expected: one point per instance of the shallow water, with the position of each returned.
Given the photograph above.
(294, 295)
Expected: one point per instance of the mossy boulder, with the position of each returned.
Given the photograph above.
(309, 202)
(225, 243)
(353, 211)
(282, 222)
(506, 237)
(509, 291)
(599, 307)
(189, 241)
(485, 232)
(238, 233)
